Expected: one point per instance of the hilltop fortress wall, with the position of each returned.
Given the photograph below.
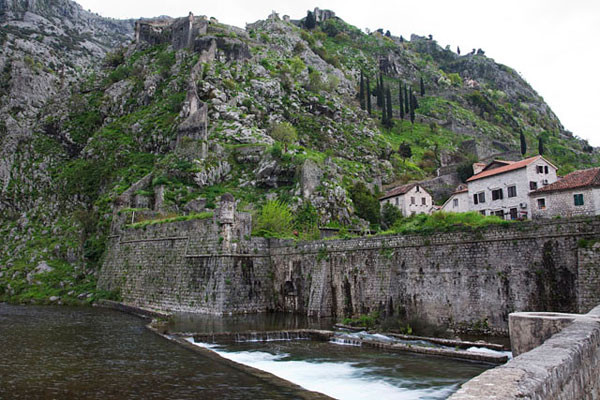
(467, 279)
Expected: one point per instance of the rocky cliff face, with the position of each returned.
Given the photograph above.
(90, 106)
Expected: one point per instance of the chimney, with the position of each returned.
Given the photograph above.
(478, 167)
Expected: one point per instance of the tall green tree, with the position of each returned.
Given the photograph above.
(413, 106)
(390, 115)
(406, 100)
(523, 144)
(401, 100)
(310, 21)
(405, 150)
(368, 96)
(380, 92)
(366, 204)
(422, 87)
(541, 146)
(384, 120)
(361, 94)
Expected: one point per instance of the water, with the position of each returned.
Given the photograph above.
(88, 353)
(347, 372)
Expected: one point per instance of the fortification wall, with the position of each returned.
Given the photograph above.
(190, 266)
(463, 279)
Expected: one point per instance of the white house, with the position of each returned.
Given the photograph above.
(411, 199)
(502, 187)
(577, 194)
(458, 201)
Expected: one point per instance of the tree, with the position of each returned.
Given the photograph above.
(274, 219)
(368, 96)
(390, 115)
(361, 94)
(388, 34)
(458, 50)
(413, 106)
(406, 100)
(389, 215)
(541, 146)
(380, 94)
(422, 87)
(404, 150)
(384, 119)
(366, 204)
(523, 144)
(310, 21)
(401, 100)
(284, 132)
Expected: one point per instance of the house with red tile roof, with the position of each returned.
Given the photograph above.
(502, 187)
(458, 201)
(576, 194)
(411, 199)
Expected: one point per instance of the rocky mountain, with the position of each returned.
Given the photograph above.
(166, 117)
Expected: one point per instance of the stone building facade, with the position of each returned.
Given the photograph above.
(410, 199)
(502, 188)
(458, 202)
(577, 194)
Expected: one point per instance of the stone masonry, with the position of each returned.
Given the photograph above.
(467, 279)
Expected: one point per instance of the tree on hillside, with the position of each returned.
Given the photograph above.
(541, 146)
(406, 100)
(310, 21)
(285, 133)
(361, 94)
(458, 50)
(389, 215)
(388, 33)
(413, 106)
(384, 120)
(368, 96)
(390, 115)
(366, 204)
(523, 144)
(404, 151)
(401, 100)
(422, 87)
(380, 93)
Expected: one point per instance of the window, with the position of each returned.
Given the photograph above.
(497, 194)
(481, 197)
(455, 203)
(423, 201)
(475, 201)
(532, 185)
(417, 188)
(546, 169)
(412, 200)
(397, 201)
(540, 169)
(541, 203)
(499, 213)
(514, 213)
(578, 198)
(512, 191)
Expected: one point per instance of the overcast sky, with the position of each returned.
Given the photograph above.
(551, 43)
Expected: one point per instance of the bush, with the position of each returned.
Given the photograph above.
(307, 221)
(444, 222)
(275, 220)
(389, 215)
(366, 204)
(285, 133)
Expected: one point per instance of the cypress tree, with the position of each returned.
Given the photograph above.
(458, 50)
(523, 144)
(378, 91)
(310, 21)
(361, 95)
(384, 121)
(390, 115)
(368, 96)
(413, 105)
(422, 87)
(381, 91)
(401, 100)
(406, 100)
(413, 100)
(540, 146)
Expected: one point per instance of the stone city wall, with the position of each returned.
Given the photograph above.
(463, 279)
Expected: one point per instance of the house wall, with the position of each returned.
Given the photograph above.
(521, 178)
(463, 203)
(404, 202)
(562, 203)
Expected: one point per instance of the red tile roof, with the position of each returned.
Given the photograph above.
(506, 168)
(397, 191)
(577, 179)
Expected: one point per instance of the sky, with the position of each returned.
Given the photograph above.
(551, 43)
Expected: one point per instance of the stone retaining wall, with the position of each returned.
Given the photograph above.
(463, 279)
